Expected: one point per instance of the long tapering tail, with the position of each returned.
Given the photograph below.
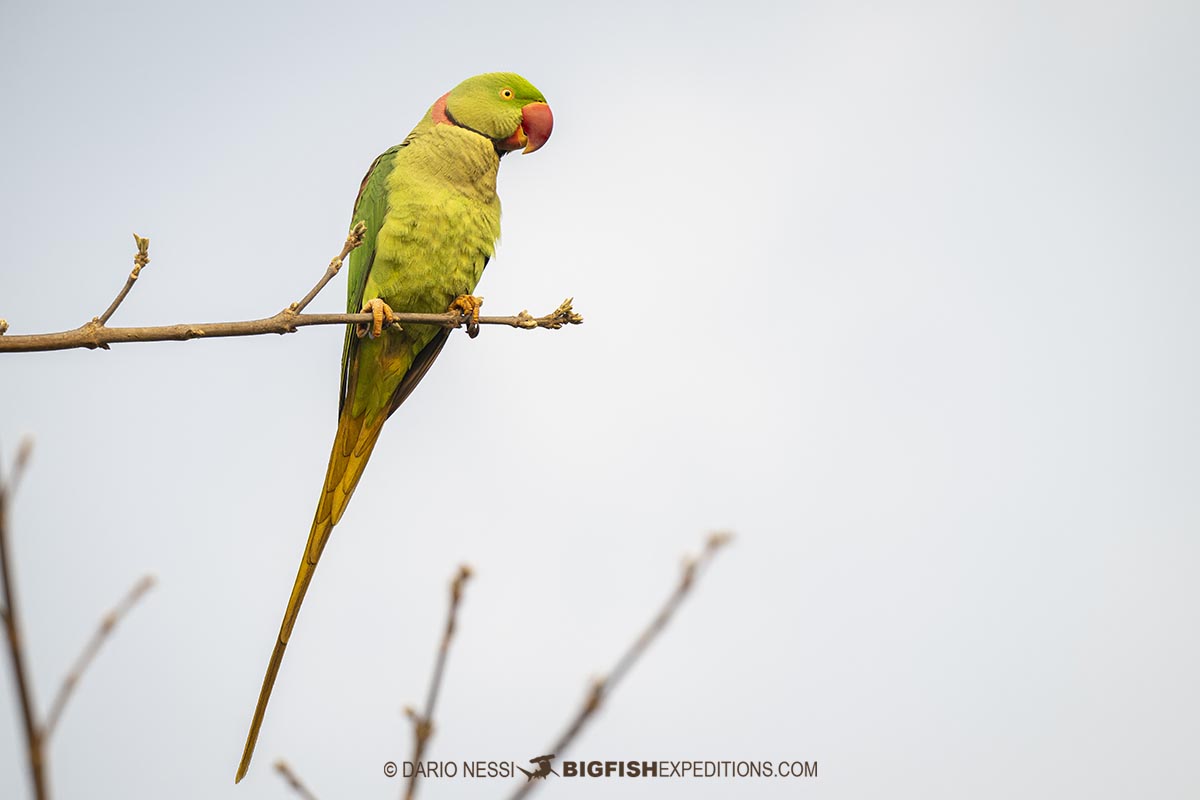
(352, 447)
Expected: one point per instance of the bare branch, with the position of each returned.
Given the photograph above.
(96, 334)
(283, 322)
(603, 687)
(12, 627)
(353, 240)
(24, 453)
(423, 723)
(103, 631)
(293, 780)
(140, 259)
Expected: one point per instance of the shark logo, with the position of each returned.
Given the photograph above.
(543, 768)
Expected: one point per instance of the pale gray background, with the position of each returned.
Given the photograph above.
(904, 294)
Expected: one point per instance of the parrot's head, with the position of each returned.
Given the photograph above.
(502, 106)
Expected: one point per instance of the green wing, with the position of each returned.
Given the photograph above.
(370, 207)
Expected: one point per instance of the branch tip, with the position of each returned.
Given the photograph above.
(24, 454)
(293, 780)
(564, 315)
(717, 540)
(353, 240)
(603, 686)
(423, 727)
(460, 580)
(142, 257)
(107, 624)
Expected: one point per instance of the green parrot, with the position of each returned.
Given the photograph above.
(432, 219)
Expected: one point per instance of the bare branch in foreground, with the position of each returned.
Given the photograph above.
(34, 740)
(603, 687)
(96, 334)
(293, 780)
(24, 453)
(38, 735)
(423, 722)
(103, 631)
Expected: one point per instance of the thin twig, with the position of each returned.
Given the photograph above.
(603, 687)
(353, 240)
(34, 739)
(96, 334)
(24, 453)
(423, 723)
(103, 631)
(140, 259)
(293, 780)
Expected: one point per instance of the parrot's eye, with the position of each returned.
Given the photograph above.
(506, 93)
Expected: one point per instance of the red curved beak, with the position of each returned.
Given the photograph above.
(537, 122)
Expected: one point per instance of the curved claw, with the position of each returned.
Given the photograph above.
(468, 306)
(381, 317)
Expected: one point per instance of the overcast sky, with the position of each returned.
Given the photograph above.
(903, 294)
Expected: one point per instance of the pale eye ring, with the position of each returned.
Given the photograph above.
(506, 93)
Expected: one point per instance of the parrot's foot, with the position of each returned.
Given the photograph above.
(469, 305)
(382, 317)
